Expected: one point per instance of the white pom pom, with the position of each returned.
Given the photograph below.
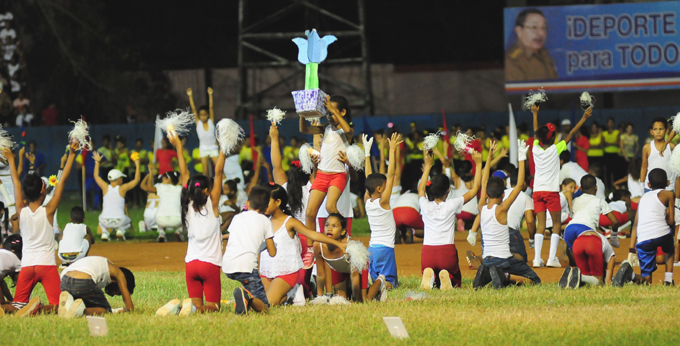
(178, 122)
(357, 255)
(305, 156)
(535, 97)
(462, 143)
(275, 115)
(80, 133)
(431, 140)
(228, 134)
(676, 123)
(587, 100)
(674, 162)
(313, 120)
(356, 157)
(6, 141)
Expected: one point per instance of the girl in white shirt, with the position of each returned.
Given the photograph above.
(169, 205)
(205, 128)
(439, 256)
(38, 263)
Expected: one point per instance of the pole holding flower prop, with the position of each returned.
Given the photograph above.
(312, 51)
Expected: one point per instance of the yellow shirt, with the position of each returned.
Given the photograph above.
(595, 141)
(246, 154)
(611, 140)
(196, 154)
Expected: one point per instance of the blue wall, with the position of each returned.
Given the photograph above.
(52, 140)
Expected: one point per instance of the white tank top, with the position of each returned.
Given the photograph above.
(38, 237)
(333, 143)
(205, 238)
(341, 264)
(206, 138)
(656, 161)
(635, 187)
(288, 258)
(496, 236)
(114, 204)
(170, 203)
(652, 217)
(72, 238)
(96, 267)
(472, 205)
(408, 199)
(382, 224)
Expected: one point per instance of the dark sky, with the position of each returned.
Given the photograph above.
(199, 34)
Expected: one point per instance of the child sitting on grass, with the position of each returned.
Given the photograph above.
(247, 232)
(76, 238)
(341, 270)
(82, 284)
(10, 264)
(38, 263)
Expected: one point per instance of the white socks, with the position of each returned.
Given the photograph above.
(590, 280)
(554, 243)
(538, 245)
(668, 277)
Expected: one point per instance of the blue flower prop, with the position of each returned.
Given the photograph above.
(313, 49)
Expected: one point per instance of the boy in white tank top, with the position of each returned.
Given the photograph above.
(382, 261)
(651, 230)
(499, 263)
(38, 263)
(114, 215)
(76, 239)
(657, 154)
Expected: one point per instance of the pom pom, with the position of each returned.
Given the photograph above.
(431, 140)
(6, 141)
(674, 163)
(587, 100)
(676, 123)
(463, 141)
(80, 133)
(357, 254)
(356, 157)
(535, 97)
(313, 120)
(275, 115)
(177, 122)
(305, 154)
(228, 134)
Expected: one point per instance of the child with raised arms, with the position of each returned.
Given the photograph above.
(205, 128)
(439, 256)
(547, 184)
(38, 263)
(152, 200)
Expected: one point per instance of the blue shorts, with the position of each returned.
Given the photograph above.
(381, 261)
(252, 283)
(578, 192)
(646, 252)
(572, 232)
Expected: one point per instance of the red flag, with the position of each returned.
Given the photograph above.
(449, 152)
(252, 141)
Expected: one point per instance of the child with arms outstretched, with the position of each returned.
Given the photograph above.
(205, 128)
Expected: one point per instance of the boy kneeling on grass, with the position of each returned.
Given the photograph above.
(82, 284)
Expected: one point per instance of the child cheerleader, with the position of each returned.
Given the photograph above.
(152, 200)
(169, 205)
(38, 263)
(205, 128)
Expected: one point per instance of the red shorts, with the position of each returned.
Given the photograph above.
(546, 201)
(633, 205)
(621, 217)
(588, 255)
(323, 181)
(441, 257)
(203, 278)
(659, 251)
(465, 216)
(290, 279)
(338, 277)
(48, 276)
(409, 217)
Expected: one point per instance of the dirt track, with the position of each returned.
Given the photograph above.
(150, 256)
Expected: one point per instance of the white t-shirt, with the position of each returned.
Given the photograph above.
(247, 231)
(301, 215)
(635, 187)
(440, 220)
(38, 238)
(95, 266)
(344, 204)
(587, 210)
(170, 203)
(516, 212)
(382, 224)
(651, 217)
(496, 236)
(619, 206)
(9, 263)
(572, 170)
(547, 163)
(204, 236)
(21, 119)
(409, 200)
(600, 188)
(72, 239)
(334, 141)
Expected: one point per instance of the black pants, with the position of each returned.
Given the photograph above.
(87, 290)
(517, 244)
(513, 266)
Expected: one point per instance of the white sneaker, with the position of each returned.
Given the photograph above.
(171, 308)
(444, 280)
(299, 298)
(539, 263)
(531, 243)
(676, 264)
(428, 279)
(105, 235)
(554, 263)
(117, 310)
(77, 309)
(338, 300)
(614, 241)
(65, 302)
(383, 288)
(142, 226)
(188, 308)
(320, 300)
(120, 234)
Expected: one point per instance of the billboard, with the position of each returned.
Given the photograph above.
(596, 47)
